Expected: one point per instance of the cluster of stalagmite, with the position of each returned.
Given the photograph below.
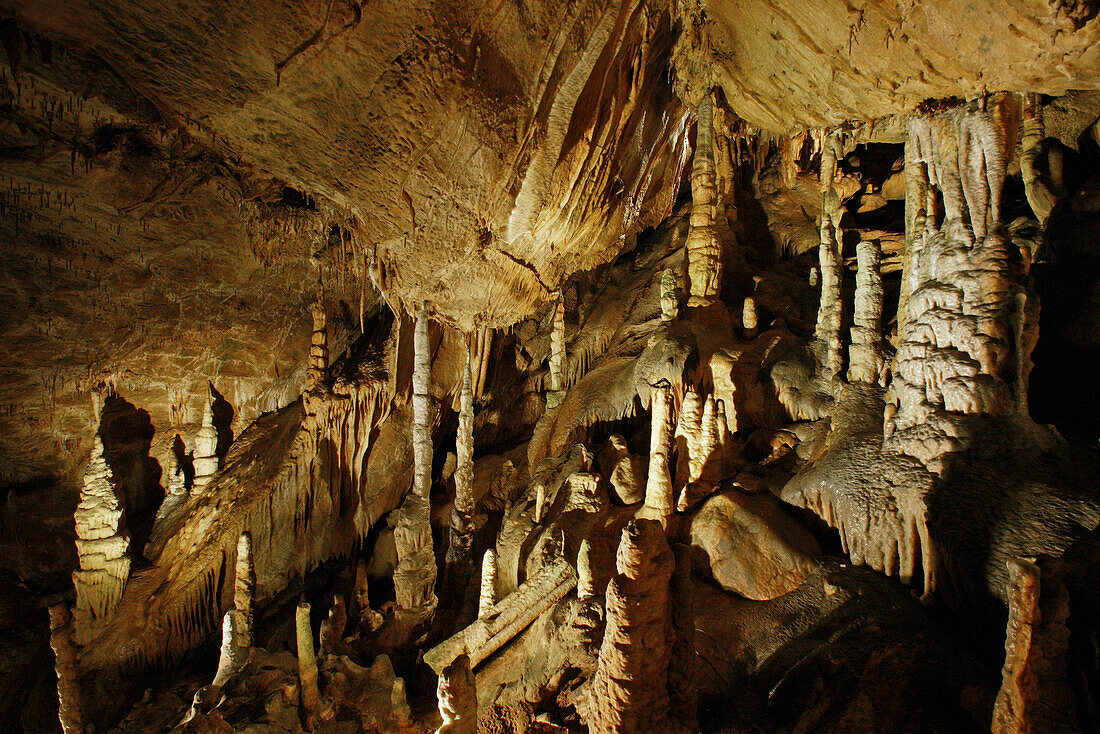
(318, 349)
(460, 549)
(704, 248)
(659, 496)
(959, 351)
(700, 438)
(415, 574)
(206, 446)
(68, 684)
(630, 691)
(1035, 695)
(456, 695)
(102, 545)
(866, 361)
(556, 393)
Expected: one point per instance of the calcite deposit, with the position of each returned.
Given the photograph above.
(590, 366)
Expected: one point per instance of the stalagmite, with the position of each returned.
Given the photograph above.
(235, 648)
(70, 710)
(865, 355)
(659, 497)
(307, 667)
(586, 584)
(815, 277)
(513, 613)
(244, 584)
(206, 446)
(488, 596)
(629, 692)
(748, 318)
(704, 249)
(331, 635)
(456, 695)
(540, 501)
(827, 332)
(1035, 695)
(460, 551)
(688, 438)
(369, 620)
(556, 392)
(318, 349)
(415, 574)
(102, 545)
(670, 296)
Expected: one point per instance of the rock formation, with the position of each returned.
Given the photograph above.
(414, 577)
(630, 689)
(206, 461)
(865, 355)
(102, 546)
(659, 493)
(457, 697)
(234, 649)
(460, 551)
(312, 705)
(704, 249)
(487, 597)
(244, 587)
(557, 355)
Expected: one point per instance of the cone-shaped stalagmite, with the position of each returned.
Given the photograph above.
(556, 392)
(244, 584)
(235, 647)
(488, 597)
(307, 667)
(629, 692)
(206, 446)
(415, 574)
(102, 545)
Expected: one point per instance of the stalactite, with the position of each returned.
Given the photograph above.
(415, 574)
(659, 497)
(244, 584)
(865, 355)
(456, 695)
(487, 599)
(556, 393)
(629, 692)
(704, 249)
(70, 707)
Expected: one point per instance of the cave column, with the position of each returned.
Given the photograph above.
(704, 249)
(459, 551)
(415, 574)
(827, 331)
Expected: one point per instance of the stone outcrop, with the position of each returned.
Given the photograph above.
(629, 692)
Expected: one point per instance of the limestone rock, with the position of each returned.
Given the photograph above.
(750, 546)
